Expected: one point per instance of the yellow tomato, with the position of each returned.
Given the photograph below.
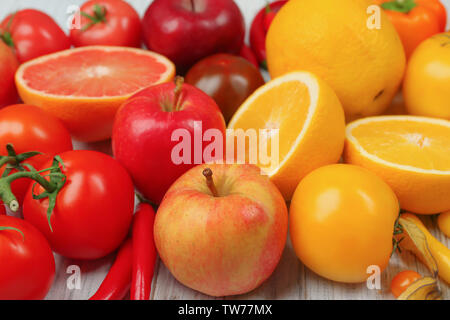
(444, 223)
(426, 87)
(342, 220)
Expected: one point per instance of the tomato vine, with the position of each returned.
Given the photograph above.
(52, 186)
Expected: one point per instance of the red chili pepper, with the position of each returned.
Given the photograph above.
(258, 29)
(268, 17)
(117, 282)
(249, 55)
(144, 253)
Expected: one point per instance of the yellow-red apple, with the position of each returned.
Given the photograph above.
(221, 229)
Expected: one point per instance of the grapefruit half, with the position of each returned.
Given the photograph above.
(84, 87)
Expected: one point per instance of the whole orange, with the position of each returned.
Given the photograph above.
(350, 44)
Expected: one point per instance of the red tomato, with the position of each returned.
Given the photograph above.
(33, 33)
(93, 210)
(8, 67)
(27, 266)
(402, 281)
(110, 22)
(268, 18)
(30, 128)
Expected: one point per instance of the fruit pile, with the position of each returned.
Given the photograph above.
(229, 163)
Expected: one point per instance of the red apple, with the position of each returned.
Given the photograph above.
(186, 31)
(163, 131)
(222, 234)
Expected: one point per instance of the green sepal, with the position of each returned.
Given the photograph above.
(15, 229)
(7, 171)
(26, 155)
(6, 35)
(21, 158)
(263, 64)
(404, 6)
(99, 16)
(15, 159)
(58, 179)
(7, 39)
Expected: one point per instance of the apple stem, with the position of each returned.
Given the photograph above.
(177, 92)
(210, 182)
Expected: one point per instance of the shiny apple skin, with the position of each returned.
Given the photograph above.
(226, 78)
(142, 132)
(226, 245)
(186, 31)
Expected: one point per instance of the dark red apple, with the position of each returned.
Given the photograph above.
(226, 78)
(163, 131)
(186, 31)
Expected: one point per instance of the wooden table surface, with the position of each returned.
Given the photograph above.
(291, 280)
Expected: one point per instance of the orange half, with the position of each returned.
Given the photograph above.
(297, 120)
(412, 154)
(84, 87)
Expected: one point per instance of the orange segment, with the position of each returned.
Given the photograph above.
(411, 153)
(310, 123)
(285, 108)
(85, 86)
(406, 144)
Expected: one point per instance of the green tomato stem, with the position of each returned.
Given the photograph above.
(7, 160)
(5, 187)
(98, 17)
